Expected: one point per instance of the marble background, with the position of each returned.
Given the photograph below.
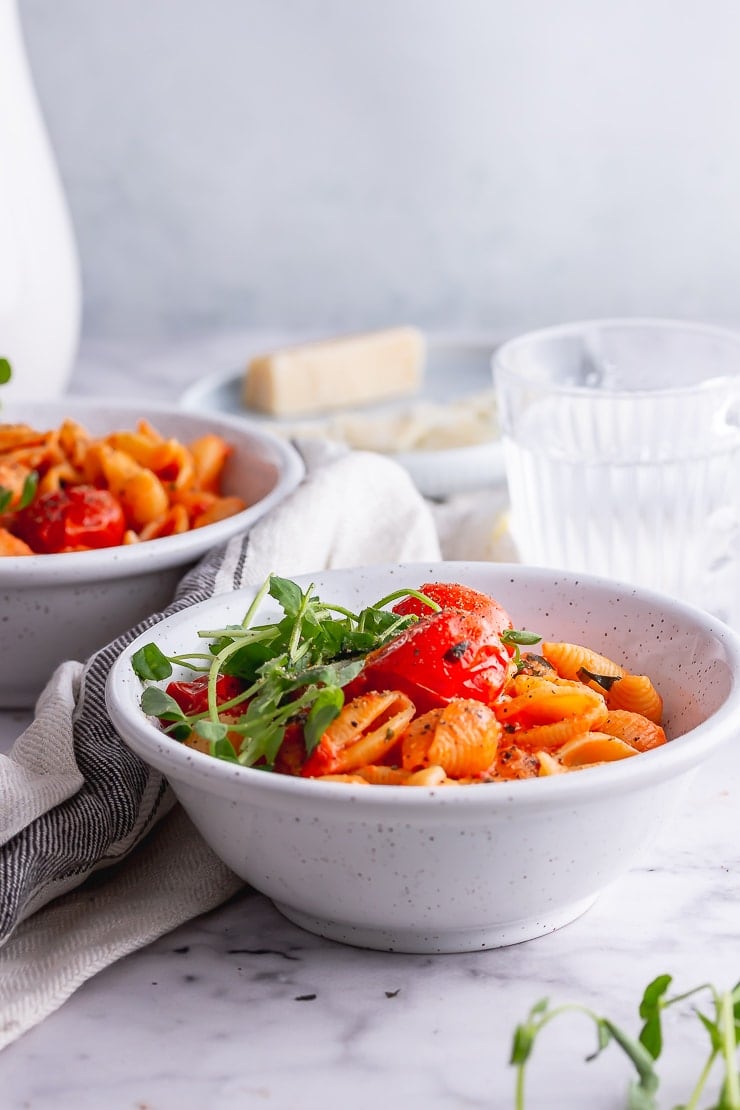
(318, 164)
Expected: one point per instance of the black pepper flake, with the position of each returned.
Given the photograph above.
(392, 994)
(456, 652)
(305, 997)
(181, 951)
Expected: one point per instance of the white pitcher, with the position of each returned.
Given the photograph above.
(40, 296)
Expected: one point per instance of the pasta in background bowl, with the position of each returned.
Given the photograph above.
(65, 605)
(455, 867)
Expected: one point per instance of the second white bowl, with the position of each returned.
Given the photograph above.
(57, 607)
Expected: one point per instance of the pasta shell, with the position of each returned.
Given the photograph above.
(462, 738)
(380, 775)
(594, 747)
(367, 728)
(553, 736)
(636, 693)
(635, 729)
(569, 659)
(549, 765)
(429, 776)
(358, 779)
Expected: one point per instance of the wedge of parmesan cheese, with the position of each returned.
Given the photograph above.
(336, 373)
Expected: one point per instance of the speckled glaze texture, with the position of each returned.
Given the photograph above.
(58, 607)
(458, 868)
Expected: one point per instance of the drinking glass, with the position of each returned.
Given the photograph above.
(622, 451)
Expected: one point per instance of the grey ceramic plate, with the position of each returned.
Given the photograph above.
(455, 369)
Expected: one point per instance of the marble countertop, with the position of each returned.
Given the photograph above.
(241, 1009)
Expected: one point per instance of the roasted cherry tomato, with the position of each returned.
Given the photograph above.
(452, 595)
(192, 697)
(321, 761)
(449, 654)
(73, 519)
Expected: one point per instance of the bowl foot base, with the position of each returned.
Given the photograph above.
(423, 941)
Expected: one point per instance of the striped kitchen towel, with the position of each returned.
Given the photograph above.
(96, 859)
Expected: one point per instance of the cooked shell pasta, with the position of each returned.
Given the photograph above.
(365, 730)
(435, 700)
(636, 693)
(639, 731)
(570, 659)
(594, 747)
(162, 486)
(462, 738)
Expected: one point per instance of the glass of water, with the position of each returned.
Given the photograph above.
(622, 448)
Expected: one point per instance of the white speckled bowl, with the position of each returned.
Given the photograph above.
(458, 867)
(57, 607)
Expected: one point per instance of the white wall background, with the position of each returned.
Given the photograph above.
(317, 164)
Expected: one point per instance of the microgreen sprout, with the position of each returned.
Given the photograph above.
(722, 1026)
(31, 481)
(519, 637)
(28, 492)
(293, 669)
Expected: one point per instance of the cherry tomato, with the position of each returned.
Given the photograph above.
(192, 697)
(323, 760)
(452, 595)
(72, 519)
(449, 654)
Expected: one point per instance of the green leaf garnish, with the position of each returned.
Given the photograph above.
(6, 371)
(151, 664)
(325, 709)
(519, 636)
(28, 492)
(179, 732)
(651, 1034)
(222, 748)
(156, 703)
(287, 594)
(214, 731)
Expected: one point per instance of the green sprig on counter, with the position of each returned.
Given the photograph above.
(722, 1027)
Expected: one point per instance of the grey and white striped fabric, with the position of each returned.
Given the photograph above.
(75, 801)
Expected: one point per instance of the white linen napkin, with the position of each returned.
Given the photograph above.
(96, 859)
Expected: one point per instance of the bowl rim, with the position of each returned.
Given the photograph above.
(658, 765)
(167, 551)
